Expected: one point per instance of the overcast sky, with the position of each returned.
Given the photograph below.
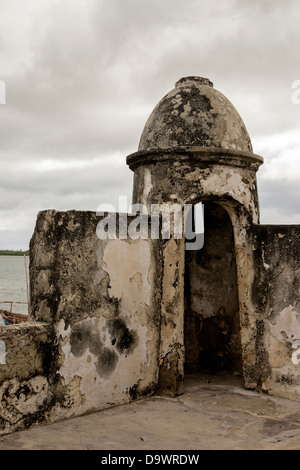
(82, 77)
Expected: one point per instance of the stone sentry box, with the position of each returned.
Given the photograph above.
(195, 147)
(117, 319)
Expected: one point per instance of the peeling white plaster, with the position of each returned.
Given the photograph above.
(133, 257)
(266, 266)
(287, 324)
(147, 183)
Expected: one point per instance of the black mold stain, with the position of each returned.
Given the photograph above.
(23, 390)
(124, 339)
(133, 392)
(108, 362)
(285, 379)
(171, 110)
(136, 391)
(83, 337)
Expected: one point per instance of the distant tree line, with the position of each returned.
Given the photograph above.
(14, 252)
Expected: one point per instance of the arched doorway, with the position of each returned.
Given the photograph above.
(211, 319)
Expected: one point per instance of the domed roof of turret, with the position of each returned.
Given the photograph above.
(194, 113)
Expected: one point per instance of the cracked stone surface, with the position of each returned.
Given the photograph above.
(214, 412)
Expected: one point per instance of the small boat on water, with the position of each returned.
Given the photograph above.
(11, 318)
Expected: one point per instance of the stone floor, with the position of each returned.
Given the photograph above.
(214, 413)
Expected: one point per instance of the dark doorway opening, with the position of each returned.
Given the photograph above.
(211, 321)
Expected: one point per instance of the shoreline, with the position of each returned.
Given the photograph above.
(13, 253)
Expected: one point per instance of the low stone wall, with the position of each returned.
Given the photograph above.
(24, 388)
(93, 339)
(276, 297)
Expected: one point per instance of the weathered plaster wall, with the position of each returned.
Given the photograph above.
(102, 298)
(276, 296)
(24, 386)
(189, 175)
(212, 320)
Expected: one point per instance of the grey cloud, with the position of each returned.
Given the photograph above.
(82, 78)
(93, 180)
(279, 201)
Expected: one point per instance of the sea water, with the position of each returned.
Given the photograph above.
(13, 283)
